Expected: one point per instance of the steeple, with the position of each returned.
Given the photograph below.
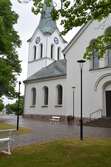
(47, 24)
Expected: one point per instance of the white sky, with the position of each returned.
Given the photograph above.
(27, 23)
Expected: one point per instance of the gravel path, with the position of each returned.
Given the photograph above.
(47, 131)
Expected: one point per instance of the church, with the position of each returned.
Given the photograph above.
(52, 87)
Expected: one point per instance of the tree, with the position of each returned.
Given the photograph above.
(9, 41)
(1, 105)
(13, 108)
(77, 13)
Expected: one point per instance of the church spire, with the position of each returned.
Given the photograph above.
(47, 24)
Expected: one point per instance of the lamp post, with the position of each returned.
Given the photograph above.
(18, 107)
(81, 62)
(73, 102)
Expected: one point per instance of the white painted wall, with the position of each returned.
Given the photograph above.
(92, 100)
(51, 109)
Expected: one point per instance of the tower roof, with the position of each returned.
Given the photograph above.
(47, 24)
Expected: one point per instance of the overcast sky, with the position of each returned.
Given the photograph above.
(26, 25)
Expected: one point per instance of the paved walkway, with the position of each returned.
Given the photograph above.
(46, 131)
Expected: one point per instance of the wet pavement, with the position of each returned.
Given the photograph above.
(47, 131)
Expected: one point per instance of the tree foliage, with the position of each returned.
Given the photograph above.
(74, 13)
(1, 105)
(9, 41)
(13, 108)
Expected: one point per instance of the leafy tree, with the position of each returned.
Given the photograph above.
(74, 13)
(9, 41)
(1, 105)
(9, 109)
(13, 108)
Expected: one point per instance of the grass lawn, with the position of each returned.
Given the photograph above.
(63, 153)
(9, 126)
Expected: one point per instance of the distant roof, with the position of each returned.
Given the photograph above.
(56, 69)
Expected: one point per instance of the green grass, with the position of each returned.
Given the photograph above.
(63, 153)
(9, 126)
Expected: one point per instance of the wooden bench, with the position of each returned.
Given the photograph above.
(6, 139)
(55, 118)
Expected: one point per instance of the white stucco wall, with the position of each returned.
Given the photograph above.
(52, 108)
(93, 100)
(95, 82)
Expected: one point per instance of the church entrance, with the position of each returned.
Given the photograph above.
(108, 103)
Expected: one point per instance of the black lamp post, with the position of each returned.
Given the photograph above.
(81, 62)
(18, 107)
(73, 101)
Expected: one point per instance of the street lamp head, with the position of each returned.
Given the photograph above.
(19, 82)
(73, 87)
(81, 62)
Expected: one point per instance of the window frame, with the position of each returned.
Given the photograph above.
(34, 52)
(41, 50)
(59, 94)
(108, 56)
(45, 95)
(58, 53)
(52, 51)
(33, 91)
(94, 60)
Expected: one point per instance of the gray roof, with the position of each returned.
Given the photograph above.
(56, 69)
(47, 24)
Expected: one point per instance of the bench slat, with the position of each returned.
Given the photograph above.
(4, 139)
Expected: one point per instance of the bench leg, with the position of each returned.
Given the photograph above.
(8, 149)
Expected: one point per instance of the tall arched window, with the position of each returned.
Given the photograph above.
(34, 48)
(41, 50)
(94, 58)
(108, 55)
(108, 47)
(58, 53)
(46, 94)
(59, 94)
(52, 51)
(33, 96)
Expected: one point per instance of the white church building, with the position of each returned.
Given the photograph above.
(52, 87)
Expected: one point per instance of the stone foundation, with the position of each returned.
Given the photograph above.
(43, 117)
(65, 119)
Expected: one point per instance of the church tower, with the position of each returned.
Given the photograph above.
(46, 44)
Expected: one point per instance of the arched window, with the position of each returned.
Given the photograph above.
(94, 58)
(33, 96)
(41, 50)
(46, 94)
(108, 56)
(108, 47)
(34, 48)
(108, 31)
(59, 94)
(52, 51)
(58, 53)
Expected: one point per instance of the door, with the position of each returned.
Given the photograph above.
(108, 103)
